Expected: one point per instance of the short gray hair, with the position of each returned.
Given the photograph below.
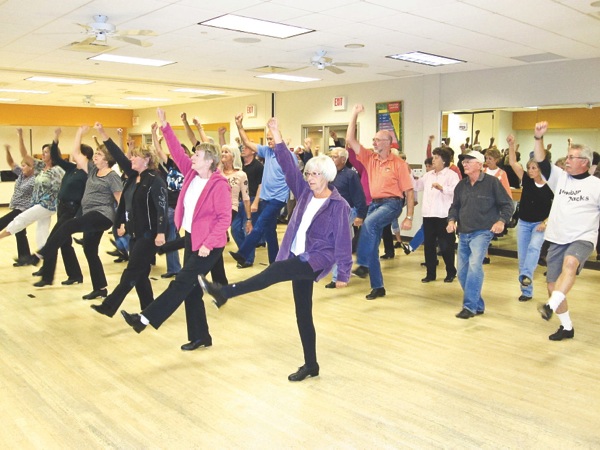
(341, 151)
(584, 152)
(212, 153)
(323, 164)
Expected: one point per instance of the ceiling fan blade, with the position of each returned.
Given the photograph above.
(91, 41)
(136, 33)
(334, 69)
(348, 64)
(133, 41)
(86, 27)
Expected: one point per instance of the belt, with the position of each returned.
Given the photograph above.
(381, 200)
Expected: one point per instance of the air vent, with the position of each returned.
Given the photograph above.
(539, 57)
(271, 69)
(209, 97)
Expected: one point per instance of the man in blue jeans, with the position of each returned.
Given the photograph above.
(274, 193)
(390, 184)
(481, 207)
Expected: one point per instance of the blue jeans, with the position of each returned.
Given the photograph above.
(351, 217)
(238, 225)
(380, 214)
(173, 263)
(472, 248)
(266, 224)
(417, 239)
(529, 245)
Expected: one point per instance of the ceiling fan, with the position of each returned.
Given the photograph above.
(322, 62)
(100, 29)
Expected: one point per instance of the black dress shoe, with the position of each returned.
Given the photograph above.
(465, 314)
(71, 281)
(330, 285)
(168, 275)
(361, 272)
(239, 258)
(115, 253)
(386, 256)
(42, 283)
(524, 298)
(427, 280)
(214, 290)
(98, 293)
(102, 309)
(29, 260)
(304, 372)
(134, 321)
(561, 334)
(378, 292)
(486, 260)
(244, 265)
(207, 342)
(545, 311)
(37, 273)
(122, 258)
(406, 248)
(449, 278)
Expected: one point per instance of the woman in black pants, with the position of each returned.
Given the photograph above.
(204, 211)
(68, 203)
(102, 190)
(142, 214)
(317, 237)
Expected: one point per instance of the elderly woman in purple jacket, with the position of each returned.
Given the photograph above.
(317, 237)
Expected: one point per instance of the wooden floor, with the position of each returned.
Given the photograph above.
(398, 372)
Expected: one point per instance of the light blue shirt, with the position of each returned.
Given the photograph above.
(273, 181)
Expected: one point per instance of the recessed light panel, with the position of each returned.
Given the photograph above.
(282, 77)
(198, 91)
(148, 99)
(24, 91)
(255, 26)
(425, 58)
(106, 57)
(59, 80)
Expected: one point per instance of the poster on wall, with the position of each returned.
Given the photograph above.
(389, 117)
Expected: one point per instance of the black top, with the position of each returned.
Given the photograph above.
(72, 186)
(143, 205)
(254, 172)
(174, 179)
(535, 201)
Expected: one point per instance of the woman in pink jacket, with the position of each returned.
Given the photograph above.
(204, 211)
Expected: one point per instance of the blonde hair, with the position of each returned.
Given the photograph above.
(146, 152)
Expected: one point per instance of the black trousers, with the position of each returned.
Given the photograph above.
(388, 240)
(93, 224)
(21, 237)
(434, 231)
(64, 212)
(185, 288)
(136, 274)
(302, 277)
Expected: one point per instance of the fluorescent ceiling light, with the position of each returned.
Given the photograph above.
(106, 57)
(282, 77)
(8, 99)
(110, 105)
(255, 26)
(147, 99)
(24, 91)
(60, 80)
(199, 91)
(425, 58)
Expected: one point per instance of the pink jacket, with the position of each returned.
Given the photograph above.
(212, 214)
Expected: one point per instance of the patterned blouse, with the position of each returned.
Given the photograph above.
(21, 198)
(46, 185)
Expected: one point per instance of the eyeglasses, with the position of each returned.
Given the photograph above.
(571, 157)
(380, 139)
(307, 175)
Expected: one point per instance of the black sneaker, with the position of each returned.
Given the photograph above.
(524, 298)
(545, 311)
(330, 285)
(561, 334)
(214, 290)
(465, 314)
(361, 272)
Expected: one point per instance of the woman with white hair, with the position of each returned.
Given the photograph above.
(317, 237)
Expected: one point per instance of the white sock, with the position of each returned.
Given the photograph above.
(144, 320)
(555, 299)
(410, 248)
(565, 320)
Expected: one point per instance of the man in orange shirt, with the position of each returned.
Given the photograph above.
(390, 183)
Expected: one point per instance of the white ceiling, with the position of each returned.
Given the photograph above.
(484, 33)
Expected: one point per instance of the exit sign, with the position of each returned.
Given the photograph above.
(339, 103)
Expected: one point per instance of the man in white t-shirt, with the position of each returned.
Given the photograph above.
(572, 228)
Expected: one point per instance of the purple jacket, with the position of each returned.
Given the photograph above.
(328, 239)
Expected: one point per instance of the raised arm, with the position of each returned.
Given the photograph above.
(188, 130)
(200, 128)
(538, 133)
(9, 160)
(238, 123)
(222, 131)
(78, 157)
(156, 143)
(512, 157)
(351, 140)
(24, 154)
